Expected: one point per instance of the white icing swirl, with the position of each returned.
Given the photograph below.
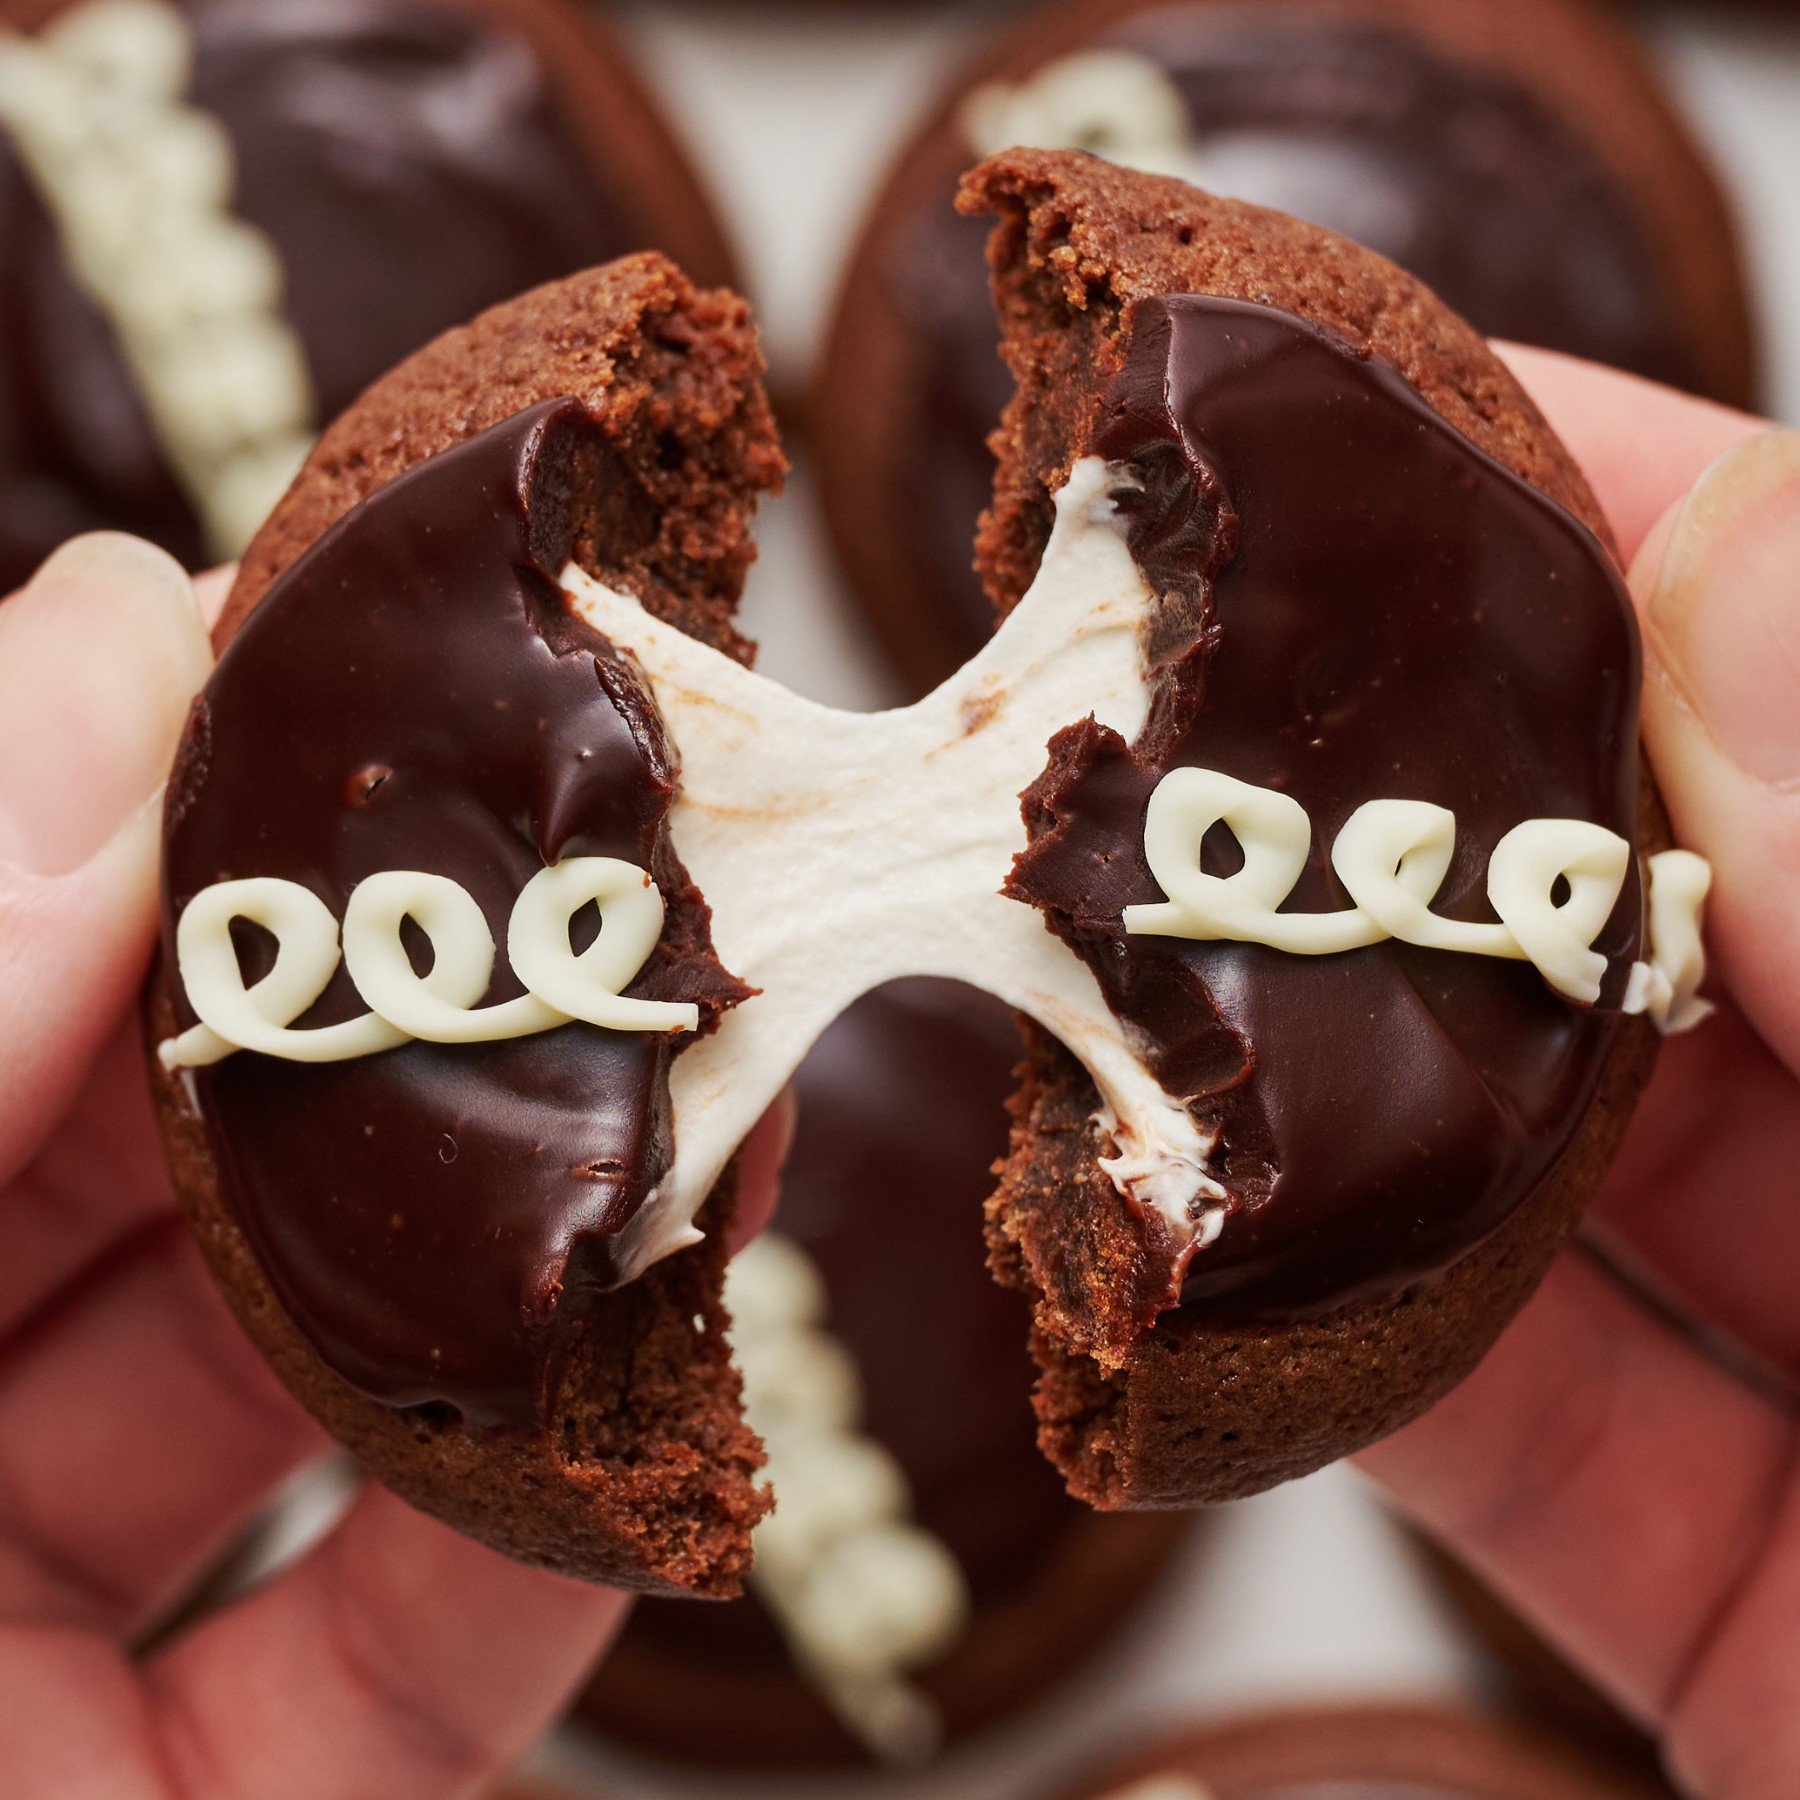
(439, 1006)
(1392, 857)
(1667, 986)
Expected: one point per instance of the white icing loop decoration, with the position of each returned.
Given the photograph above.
(1275, 836)
(439, 1006)
(1112, 103)
(1523, 874)
(1392, 857)
(436, 1006)
(1666, 987)
(233, 1017)
(587, 986)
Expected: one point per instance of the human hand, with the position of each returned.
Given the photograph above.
(139, 1431)
(1633, 1494)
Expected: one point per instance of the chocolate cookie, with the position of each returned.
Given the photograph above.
(902, 1116)
(1356, 1753)
(1396, 1193)
(1278, 537)
(222, 219)
(617, 418)
(1525, 163)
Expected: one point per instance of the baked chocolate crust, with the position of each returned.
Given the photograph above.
(1193, 1410)
(642, 1478)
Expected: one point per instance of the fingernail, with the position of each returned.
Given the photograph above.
(100, 658)
(1722, 614)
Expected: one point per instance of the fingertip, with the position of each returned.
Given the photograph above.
(101, 655)
(1641, 445)
(397, 1658)
(212, 589)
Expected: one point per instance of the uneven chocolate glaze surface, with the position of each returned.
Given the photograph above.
(902, 1115)
(405, 161)
(415, 694)
(1374, 610)
(1458, 175)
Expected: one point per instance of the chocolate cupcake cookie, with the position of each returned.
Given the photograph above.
(1360, 1753)
(901, 1119)
(1400, 1158)
(420, 1239)
(1297, 803)
(1523, 162)
(220, 220)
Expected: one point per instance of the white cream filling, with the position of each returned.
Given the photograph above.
(839, 851)
(863, 1594)
(139, 183)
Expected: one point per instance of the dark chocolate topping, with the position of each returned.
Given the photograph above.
(415, 694)
(1455, 172)
(1380, 611)
(406, 163)
(902, 1116)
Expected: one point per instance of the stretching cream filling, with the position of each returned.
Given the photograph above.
(839, 851)
(139, 184)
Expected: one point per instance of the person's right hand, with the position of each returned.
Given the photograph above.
(1631, 1493)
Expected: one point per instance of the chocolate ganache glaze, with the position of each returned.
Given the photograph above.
(415, 694)
(1376, 610)
(1457, 174)
(406, 163)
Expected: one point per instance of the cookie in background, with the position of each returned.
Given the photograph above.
(220, 220)
(1524, 161)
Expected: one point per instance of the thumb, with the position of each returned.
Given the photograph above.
(1718, 584)
(100, 658)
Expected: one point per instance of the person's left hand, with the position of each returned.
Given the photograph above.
(139, 1430)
